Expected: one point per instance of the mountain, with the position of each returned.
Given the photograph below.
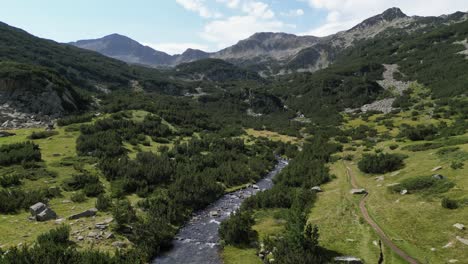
(266, 45)
(273, 53)
(125, 49)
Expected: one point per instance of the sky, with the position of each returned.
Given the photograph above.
(173, 26)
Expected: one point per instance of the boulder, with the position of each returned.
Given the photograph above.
(462, 240)
(214, 214)
(46, 215)
(437, 168)
(403, 192)
(459, 226)
(438, 177)
(358, 191)
(316, 188)
(348, 259)
(87, 213)
(37, 208)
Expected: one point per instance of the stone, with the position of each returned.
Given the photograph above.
(214, 214)
(358, 191)
(37, 208)
(403, 192)
(449, 244)
(109, 236)
(255, 187)
(316, 188)
(347, 259)
(87, 213)
(462, 240)
(459, 226)
(380, 178)
(93, 234)
(438, 177)
(60, 221)
(46, 215)
(101, 227)
(80, 238)
(437, 168)
(453, 261)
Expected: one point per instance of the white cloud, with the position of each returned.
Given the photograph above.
(228, 31)
(256, 16)
(199, 7)
(258, 9)
(343, 14)
(230, 3)
(176, 48)
(293, 13)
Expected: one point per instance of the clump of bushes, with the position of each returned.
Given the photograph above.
(42, 134)
(393, 146)
(78, 197)
(419, 132)
(428, 184)
(75, 119)
(18, 153)
(103, 202)
(449, 203)
(237, 230)
(90, 184)
(381, 162)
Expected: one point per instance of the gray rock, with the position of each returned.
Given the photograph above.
(358, 191)
(462, 240)
(37, 208)
(459, 226)
(109, 236)
(438, 177)
(87, 213)
(46, 215)
(101, 227)
(348, 259)
(403, 192)
(437, 168)
(316, 188)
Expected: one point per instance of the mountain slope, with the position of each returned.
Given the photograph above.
(125, 49)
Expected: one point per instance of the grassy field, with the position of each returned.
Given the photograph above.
(16, 228)
(274, 136)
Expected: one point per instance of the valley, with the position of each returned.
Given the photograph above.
(286, 149)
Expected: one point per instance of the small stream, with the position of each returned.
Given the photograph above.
(198, 241)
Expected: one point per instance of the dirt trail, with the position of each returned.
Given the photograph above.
(362, 206)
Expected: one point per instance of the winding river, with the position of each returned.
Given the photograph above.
(198, 241)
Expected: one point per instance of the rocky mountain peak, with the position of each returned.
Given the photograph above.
(388, 15)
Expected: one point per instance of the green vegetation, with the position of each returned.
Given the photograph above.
(380, 163)
(429, 184)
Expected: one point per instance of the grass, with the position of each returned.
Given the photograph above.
(235, 255)
(271, 135)
(418, 224)
(267, 222)
(16, 228)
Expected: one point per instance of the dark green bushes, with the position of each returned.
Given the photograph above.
(18, 153)
(380, 163)
(420, 132)
(449, 203)
(42, 134)
(75, 119)
(11, 201)
(237, 230)
(90, 184)
(427, 184)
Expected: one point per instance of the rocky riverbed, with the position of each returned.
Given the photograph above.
(198, 241)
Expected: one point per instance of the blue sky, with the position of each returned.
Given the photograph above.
(174, 25)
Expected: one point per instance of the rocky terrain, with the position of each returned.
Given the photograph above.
(273, 53)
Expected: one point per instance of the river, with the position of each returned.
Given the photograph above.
(198, 241)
